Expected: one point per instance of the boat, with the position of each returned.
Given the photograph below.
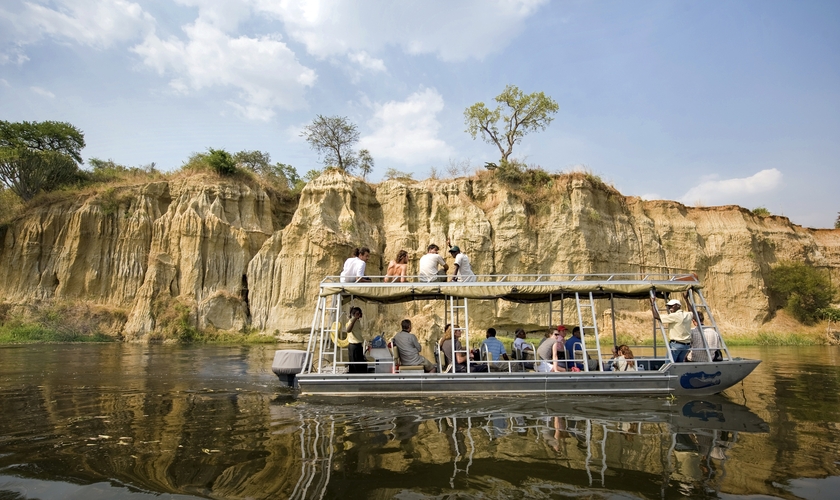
(320, 369)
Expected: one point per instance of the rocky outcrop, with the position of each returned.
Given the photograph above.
(228, 255)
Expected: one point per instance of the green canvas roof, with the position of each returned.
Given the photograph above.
(512, 289)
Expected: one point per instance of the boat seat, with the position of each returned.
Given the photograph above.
(398, 366)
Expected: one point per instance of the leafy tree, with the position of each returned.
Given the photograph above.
(255, 161)
(761, 212)
(802, 288)
(221, 162)
(837, 222)
(365, 162)
(333, 138)
(36, 156)
(516, 115)
(393, 173)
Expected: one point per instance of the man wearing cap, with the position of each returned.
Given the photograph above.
(679, 328)
(462, 272)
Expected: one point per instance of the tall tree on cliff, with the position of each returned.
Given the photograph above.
(516, 115)
(39, 156)
(333, 138)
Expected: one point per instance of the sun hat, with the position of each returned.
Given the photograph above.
(673, 302)
(455, 249)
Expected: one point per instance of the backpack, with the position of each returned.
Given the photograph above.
(378, 342)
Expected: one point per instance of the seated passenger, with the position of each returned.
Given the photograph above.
(519, 343)
(410, 348)
(550, 352)
(624, 360)
(574, 350)
(447, 346)
(495, 347)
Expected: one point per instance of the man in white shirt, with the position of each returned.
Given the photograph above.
(462, 272)
(429, 264)
(679, 328)
(354, 268)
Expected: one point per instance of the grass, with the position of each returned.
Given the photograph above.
(36, 334)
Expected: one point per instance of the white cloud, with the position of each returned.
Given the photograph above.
(42, 92)
(453, 31)
(364, 60)
(96, 23)
(4, 82)
(406, 131)
(733, 191)
(651, 196)
(264, 70)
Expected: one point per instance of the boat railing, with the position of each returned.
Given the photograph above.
(483, 279)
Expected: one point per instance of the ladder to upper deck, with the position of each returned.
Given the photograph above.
(458, 311)
(588, 324)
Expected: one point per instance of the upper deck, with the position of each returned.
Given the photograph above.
(521, 288)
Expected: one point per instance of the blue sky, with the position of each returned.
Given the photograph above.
(707, 103)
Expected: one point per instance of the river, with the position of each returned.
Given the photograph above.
(148, 421)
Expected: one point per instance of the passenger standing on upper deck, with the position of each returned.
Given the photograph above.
(679, 328)
(409, 348)
(354, 267)
(463, 271)
(429, 264)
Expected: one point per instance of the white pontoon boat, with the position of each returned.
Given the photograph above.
(321, 369)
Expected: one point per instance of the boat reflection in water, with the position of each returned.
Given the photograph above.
(516, 447)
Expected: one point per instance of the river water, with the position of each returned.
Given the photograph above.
(144, 421)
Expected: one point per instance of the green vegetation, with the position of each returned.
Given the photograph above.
(802, 289)
(39, 156)
(221, 162)
(333, 138)
(393, 173)
(55, 323)
(761, 212)
(837, 222)
(30, 334)
(517, 114)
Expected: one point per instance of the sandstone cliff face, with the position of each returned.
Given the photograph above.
(228, 255)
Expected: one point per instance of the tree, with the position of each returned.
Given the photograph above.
(255, 161)
(522, 114)
(837, 222)
(365, 162)
(333, 138)
(221, 161)
(39, 156)
(802, 288)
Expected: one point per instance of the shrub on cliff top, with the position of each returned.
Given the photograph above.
(802, 289)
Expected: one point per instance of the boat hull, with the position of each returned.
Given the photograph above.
(678, 379)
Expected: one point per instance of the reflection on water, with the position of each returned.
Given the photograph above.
(126, 421)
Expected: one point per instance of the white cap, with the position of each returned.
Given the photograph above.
(673, 302)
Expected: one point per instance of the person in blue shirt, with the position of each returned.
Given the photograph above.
(572, 345)
(494, 346)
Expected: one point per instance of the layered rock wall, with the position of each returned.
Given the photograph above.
(229, 256)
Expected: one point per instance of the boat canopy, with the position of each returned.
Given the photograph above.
(515, 288)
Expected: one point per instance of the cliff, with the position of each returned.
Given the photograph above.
(228, 255)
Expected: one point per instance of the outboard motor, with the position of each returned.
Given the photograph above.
(287, 364)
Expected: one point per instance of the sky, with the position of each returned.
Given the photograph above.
(704, 102)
